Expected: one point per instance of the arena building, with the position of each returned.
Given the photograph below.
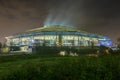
(57, 36)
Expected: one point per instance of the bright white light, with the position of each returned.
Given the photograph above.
(32, 41)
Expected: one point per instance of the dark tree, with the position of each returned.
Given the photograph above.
(118, 42)
(0, 46)
(4, 45)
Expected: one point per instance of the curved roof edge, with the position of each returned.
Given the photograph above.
(58, 29)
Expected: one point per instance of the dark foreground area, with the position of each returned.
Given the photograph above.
(54, 67)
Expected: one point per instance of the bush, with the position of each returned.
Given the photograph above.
(5, 49)
(105, 67)
(46, 50)
(56, 50)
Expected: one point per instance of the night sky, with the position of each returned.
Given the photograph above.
(96, 16)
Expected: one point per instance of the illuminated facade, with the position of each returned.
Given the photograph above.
(57, 36)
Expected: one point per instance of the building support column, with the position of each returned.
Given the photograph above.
(60, 40)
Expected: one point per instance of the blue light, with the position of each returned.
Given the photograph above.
(105, 42)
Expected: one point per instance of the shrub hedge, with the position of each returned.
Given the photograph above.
(56, 50)
(105, 67)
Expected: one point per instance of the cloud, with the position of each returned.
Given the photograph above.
(88, 14)
(26, 9)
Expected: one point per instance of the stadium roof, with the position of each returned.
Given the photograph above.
(54, 28)
(57, 29)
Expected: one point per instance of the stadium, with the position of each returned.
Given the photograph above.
(57, 36)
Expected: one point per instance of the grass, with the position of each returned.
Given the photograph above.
(52, 67)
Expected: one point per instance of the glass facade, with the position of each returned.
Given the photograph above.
(57, 37)
(54, 40)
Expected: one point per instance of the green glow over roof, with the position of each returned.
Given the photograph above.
(54, 28)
